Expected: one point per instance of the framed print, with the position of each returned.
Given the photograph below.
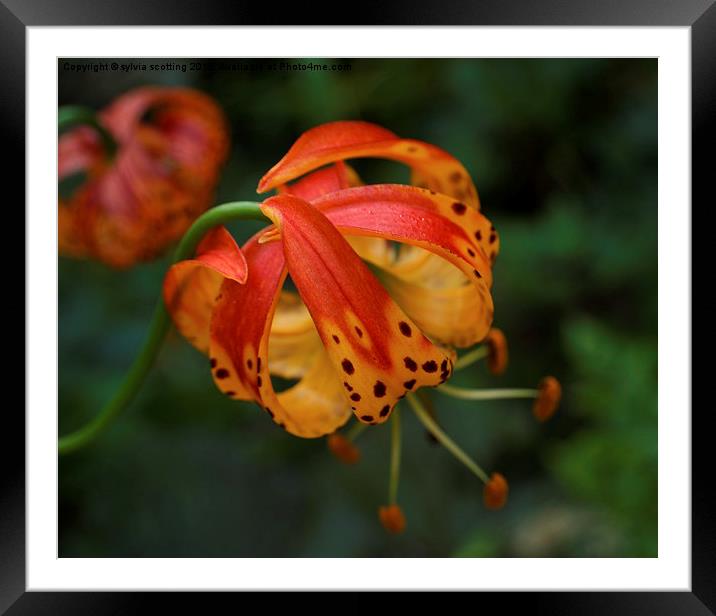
(401, 306)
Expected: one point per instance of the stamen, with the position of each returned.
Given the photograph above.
(395, 446)
(495, 493)
(497, 359)
(391, 516)
(444, 439)
(470, 358)
(487, 394)
(549, 395)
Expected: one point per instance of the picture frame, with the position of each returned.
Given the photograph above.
(16, 16)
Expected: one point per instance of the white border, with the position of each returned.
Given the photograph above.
(671, 570)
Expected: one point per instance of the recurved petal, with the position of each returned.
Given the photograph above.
(432, 167)
(240, 328)
(378, 351)
(460, 310)
(191, 286)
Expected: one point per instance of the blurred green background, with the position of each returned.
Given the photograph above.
(564, 155)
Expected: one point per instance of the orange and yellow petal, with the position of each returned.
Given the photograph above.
(240, 353)
(379, 353)
(458, 313)
(432, 167)
(293, 341)
(191, 286)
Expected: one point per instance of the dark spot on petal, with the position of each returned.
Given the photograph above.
(212, 362)
(222, 373)
(459, 208)
(385, 410)
(430, 366)
(492, 227)
(367, 417)
(410, 364)
(478, 235)
(353, 408)
(379, 389)
(359, 331)
(443, 365)
(249, 364)
(405, 329)
(493, 237)
(471, 252)
(258, 364)
(355, 397)
(347, 386)
(409, 384)
(336, 339)
(348, 366)
(259, 381)
(230, 393)
(477, 274)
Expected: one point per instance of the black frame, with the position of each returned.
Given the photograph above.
(700, 15)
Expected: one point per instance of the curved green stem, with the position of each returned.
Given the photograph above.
(221, 214)
(74, 115)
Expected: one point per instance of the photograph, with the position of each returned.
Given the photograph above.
(358, 307)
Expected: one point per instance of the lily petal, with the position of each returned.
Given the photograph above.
(438, 224)
(239, 347)
(378, 351)
(191, 286)
(432, 167)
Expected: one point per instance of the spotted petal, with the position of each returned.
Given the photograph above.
(240, 337)
(191, 286)
(461, 236)
(379, 352)
(432, 167)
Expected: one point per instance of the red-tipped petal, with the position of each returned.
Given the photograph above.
(319, 183)
(433, 168)
(378, 351)
(191, 286)
(445, 227)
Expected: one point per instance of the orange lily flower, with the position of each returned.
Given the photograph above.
(355, 345)
(171, 143)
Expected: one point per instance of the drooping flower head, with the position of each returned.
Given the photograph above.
(131, 204)
(390, 280)
(353, 347)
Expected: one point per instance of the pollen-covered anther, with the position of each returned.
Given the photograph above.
(343, 449)
(548, 398)
(495, 492)
(498, 355)
(392, 518)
